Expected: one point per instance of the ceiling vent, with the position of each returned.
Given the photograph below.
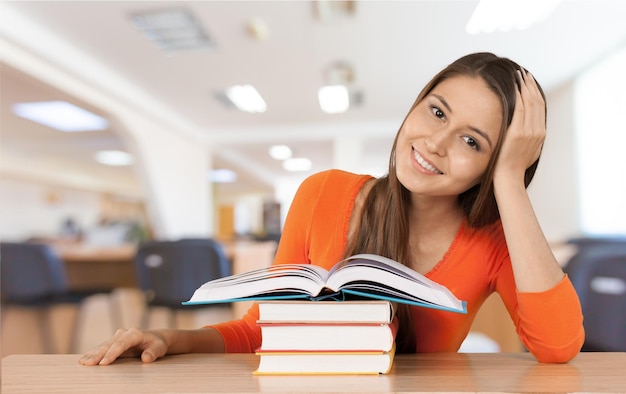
(172, 29)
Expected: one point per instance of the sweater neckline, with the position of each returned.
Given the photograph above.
(450, 251)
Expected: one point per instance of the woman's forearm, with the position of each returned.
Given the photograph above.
(203, 340)
(534, 266)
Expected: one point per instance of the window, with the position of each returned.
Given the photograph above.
(600, 111)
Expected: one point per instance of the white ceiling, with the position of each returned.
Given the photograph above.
(394, 48)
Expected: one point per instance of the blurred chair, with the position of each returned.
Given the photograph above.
(34, 276)
(168, 272)
(598, 273)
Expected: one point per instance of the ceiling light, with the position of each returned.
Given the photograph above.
(114, 158)
(280, 152)
(297, 164)
(222, 175)
(499, 15)
(173, 29)
(258, 29)
(329, 10)
(246, 98)
(60, 115)
(334, 99)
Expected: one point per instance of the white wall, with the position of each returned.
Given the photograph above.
(554, 190)
(30, 209)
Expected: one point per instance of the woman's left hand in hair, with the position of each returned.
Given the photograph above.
(524, 138)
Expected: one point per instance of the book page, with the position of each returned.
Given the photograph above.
(371, 273)
(283, 278)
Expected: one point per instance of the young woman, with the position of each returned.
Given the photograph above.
(453, 206)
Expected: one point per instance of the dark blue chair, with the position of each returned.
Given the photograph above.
(34, 276)
(168, 272)
(598, 273)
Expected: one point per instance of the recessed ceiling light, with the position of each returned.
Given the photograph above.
(330, 10)
(334, 99)
(60, 115)
(114, 158)
(222, 175)
(280, 152)
(297, 164)
(174, 29)
(497, 15)
(246, 98)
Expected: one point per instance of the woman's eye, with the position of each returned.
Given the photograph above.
(437, 112)
(472, 143)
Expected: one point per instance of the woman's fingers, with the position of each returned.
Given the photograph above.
(527, 131)
(126, 343)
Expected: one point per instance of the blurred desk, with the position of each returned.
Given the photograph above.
(98, 267)
(411, 373)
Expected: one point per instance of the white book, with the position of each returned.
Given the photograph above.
(325, 363)
(293, 311)
(327, 337)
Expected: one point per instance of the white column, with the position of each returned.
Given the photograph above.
(173, 172)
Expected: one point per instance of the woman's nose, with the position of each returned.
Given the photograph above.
(436, 143)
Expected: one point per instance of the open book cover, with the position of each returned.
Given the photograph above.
(363, 276)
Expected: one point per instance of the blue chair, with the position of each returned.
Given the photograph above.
(34, 276)
(168, 272)
(598, 273)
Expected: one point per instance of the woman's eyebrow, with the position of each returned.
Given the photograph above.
(483, 134)
(475, 129)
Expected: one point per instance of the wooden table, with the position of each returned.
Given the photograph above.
(451, 372)
(102, 268)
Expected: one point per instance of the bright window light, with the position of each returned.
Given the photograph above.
(223, 175)
(114, 158)
(246, 98)
(334, 99)
(280, 152)
(60, 115)
(506, 15)
(297, 164)
(600, 100)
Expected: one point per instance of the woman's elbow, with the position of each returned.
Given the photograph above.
(559, 353)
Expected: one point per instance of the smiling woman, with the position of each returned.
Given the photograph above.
(453, 207)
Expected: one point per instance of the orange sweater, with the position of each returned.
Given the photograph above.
(549, 323)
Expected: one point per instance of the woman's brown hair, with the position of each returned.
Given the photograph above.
(383, 227)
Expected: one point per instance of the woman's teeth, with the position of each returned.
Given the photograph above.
(425, 164)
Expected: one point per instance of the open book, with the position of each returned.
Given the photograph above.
(357, 277)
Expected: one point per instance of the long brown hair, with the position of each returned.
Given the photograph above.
(383, 227)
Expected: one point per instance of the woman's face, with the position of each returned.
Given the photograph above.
(446, 142)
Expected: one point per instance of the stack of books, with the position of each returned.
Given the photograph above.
(329, 331)
(326, 337)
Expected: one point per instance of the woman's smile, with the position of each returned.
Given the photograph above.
(425, 164)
